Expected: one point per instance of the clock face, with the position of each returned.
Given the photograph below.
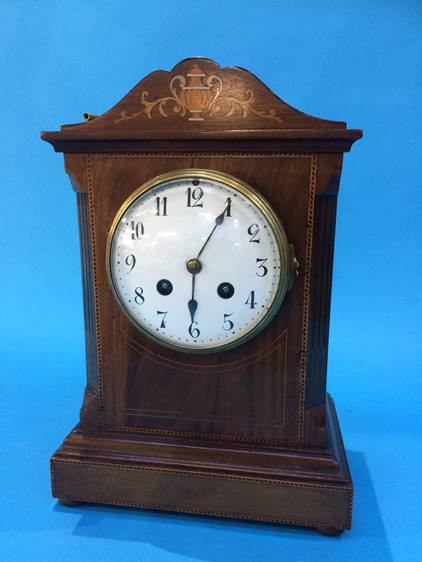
(198, 260)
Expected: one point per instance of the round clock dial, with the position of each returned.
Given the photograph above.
(198, 260)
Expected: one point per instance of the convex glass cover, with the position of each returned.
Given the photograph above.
(198, 260)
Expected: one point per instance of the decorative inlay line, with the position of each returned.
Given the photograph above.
(191, 434)
(176, 415)
(194, 368)
(306, 296)
(190, 154)
(53, 478)
(96, 294)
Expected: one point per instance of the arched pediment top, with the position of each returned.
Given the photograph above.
(198, 98)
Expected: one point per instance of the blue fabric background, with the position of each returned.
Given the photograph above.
(356, 61)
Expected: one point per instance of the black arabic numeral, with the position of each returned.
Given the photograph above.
(262, 270)
(137, 230)
(161, 205)
(253, 230)
(139, 298)
(228, 324)
(251, 300)
(194, 332)
(130, 261)
(163, 319)
(228, 207)
(195, 196)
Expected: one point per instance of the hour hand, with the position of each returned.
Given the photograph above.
(192, 305)
(193, 266)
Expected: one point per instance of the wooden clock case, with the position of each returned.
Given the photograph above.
(249, 433)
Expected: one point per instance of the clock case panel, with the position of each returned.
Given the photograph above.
(144, 387)
(158, 424)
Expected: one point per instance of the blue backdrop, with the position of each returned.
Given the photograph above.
(355, 61)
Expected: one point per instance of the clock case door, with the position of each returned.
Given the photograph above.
(259, 410)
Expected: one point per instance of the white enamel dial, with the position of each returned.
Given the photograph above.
(198, 260)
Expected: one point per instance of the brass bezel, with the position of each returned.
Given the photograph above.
(288, 262)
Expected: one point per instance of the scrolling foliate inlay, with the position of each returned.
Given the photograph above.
(198, 96)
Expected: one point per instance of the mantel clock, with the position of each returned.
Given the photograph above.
(206, 210)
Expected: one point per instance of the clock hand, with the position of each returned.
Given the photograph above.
(218, 220)
(192, 304)
(194, 265)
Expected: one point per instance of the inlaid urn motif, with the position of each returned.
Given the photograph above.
(197, 93)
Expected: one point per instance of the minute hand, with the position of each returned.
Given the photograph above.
(218, 220)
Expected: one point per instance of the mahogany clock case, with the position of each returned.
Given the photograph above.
(249, 433)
